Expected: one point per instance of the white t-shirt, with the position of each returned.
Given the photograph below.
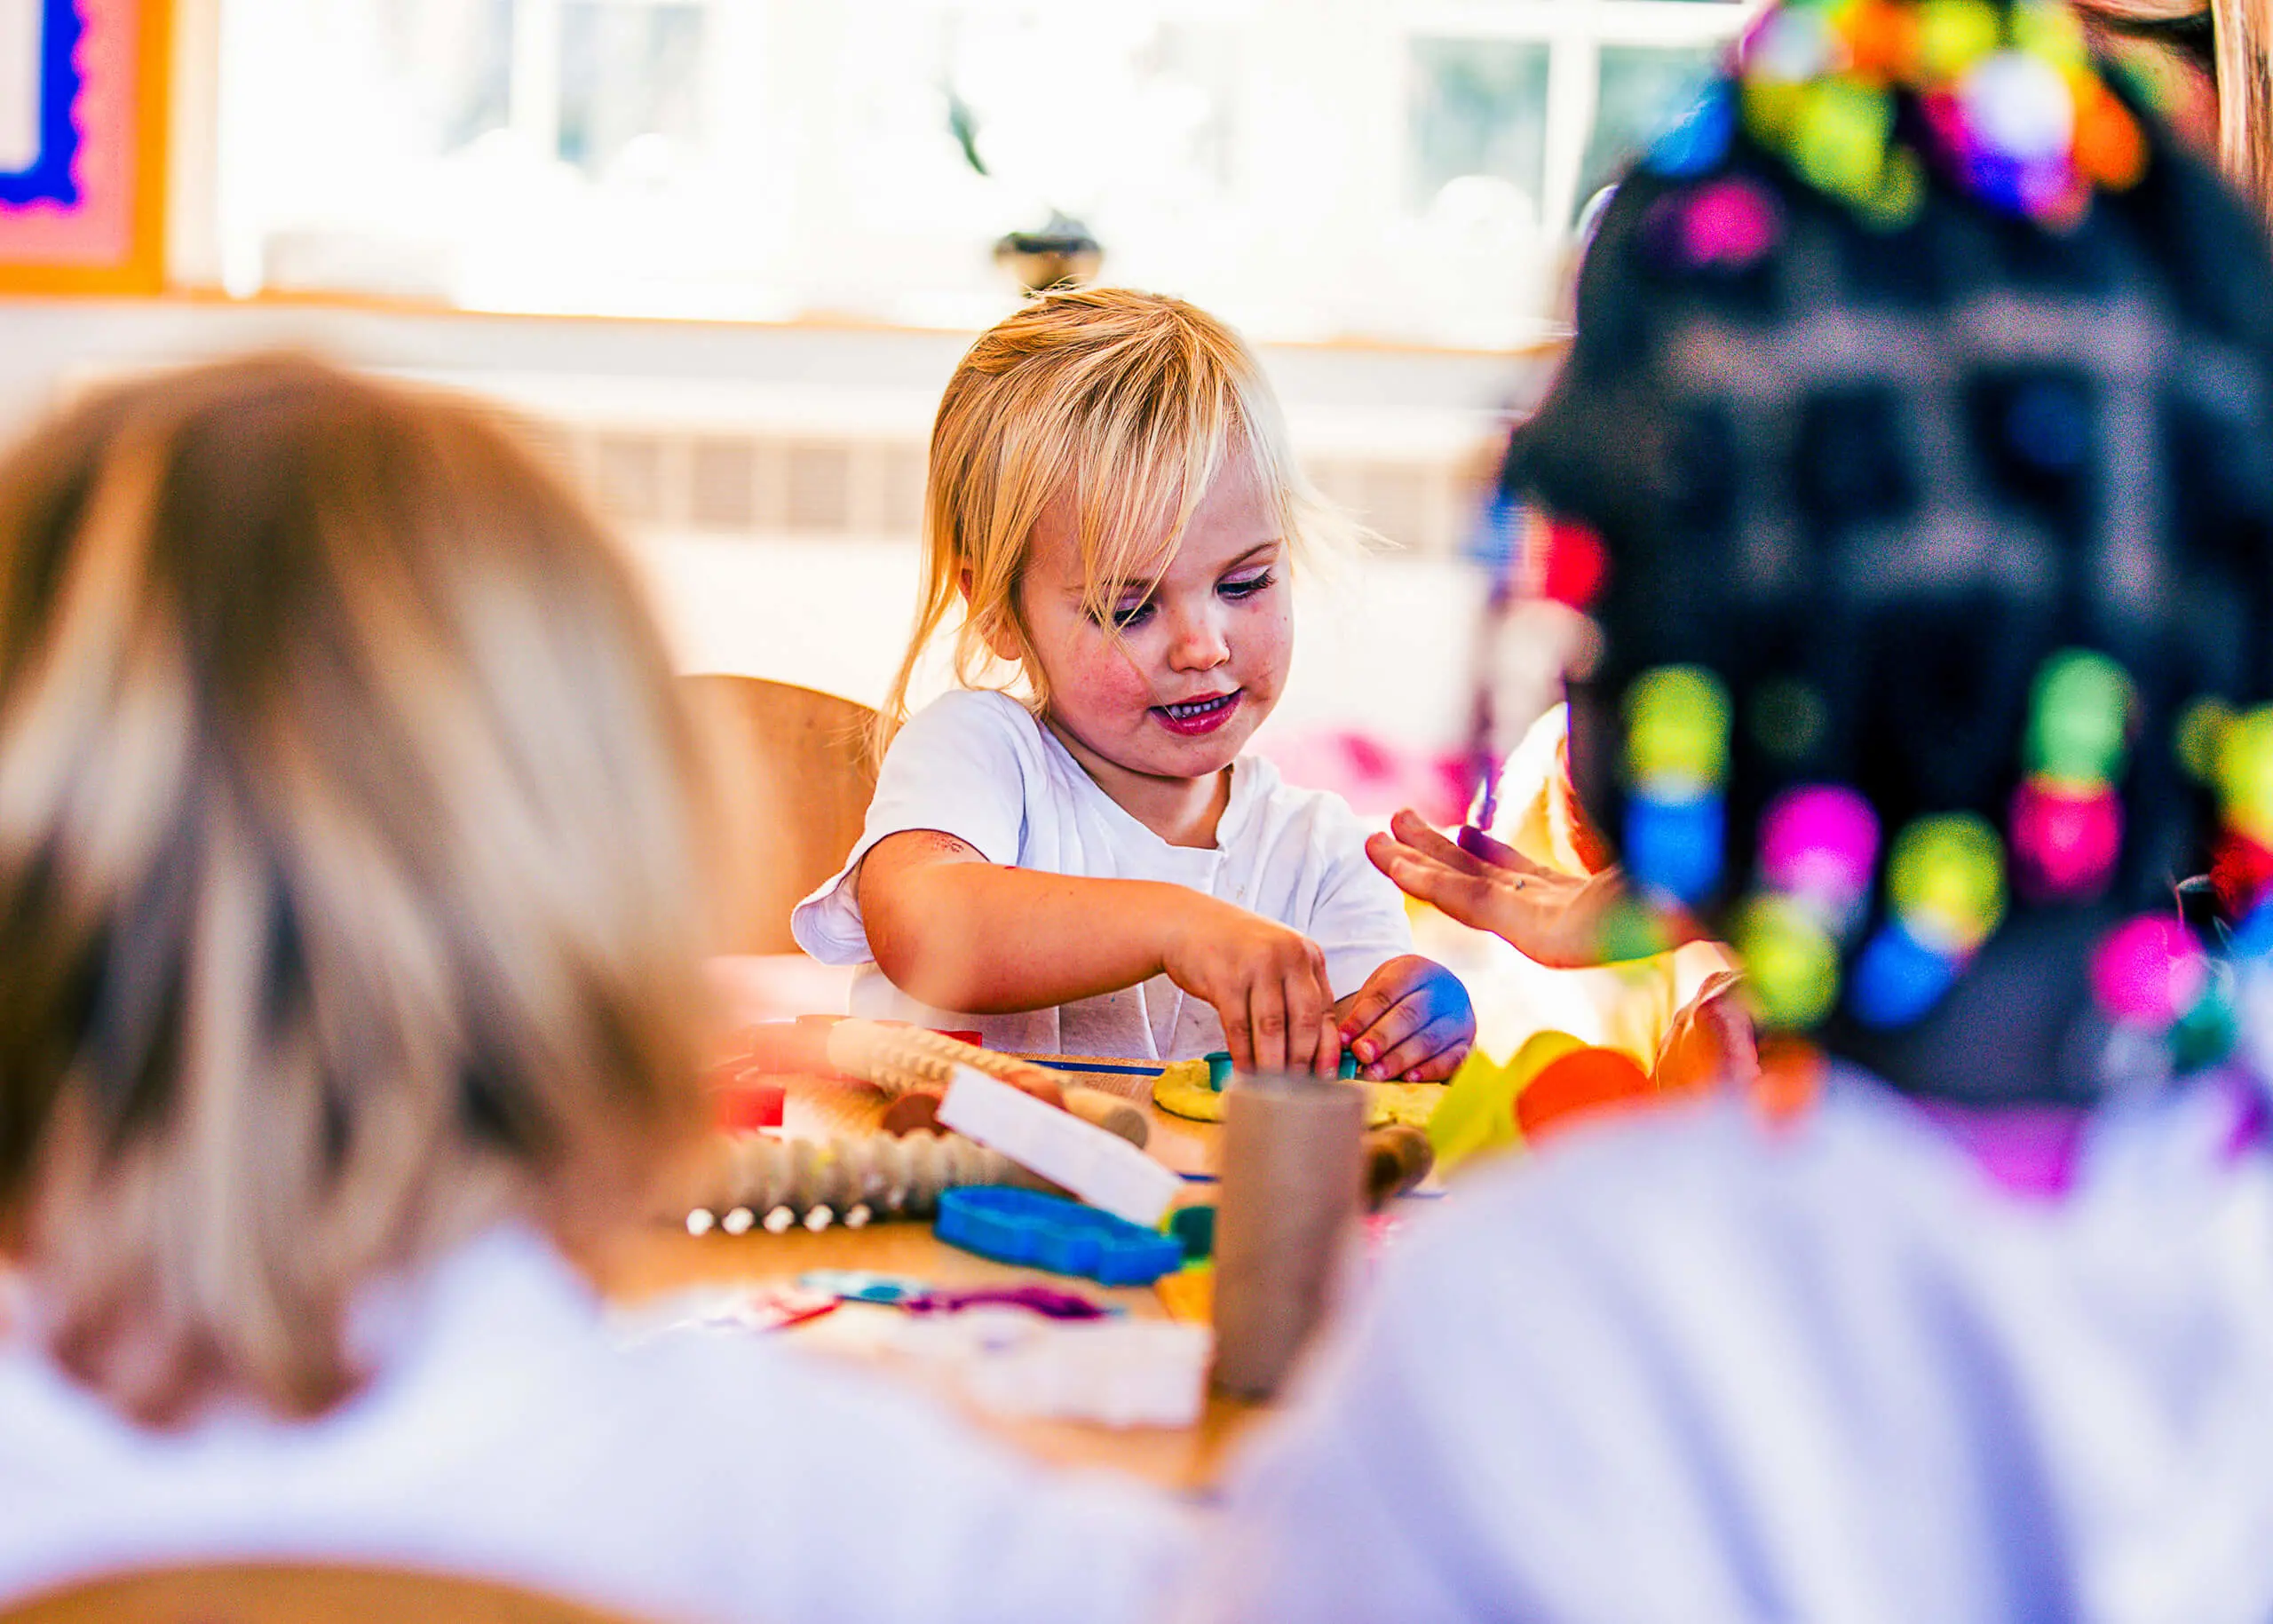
(979, 766)
(1695, 1367)
(702, 1475)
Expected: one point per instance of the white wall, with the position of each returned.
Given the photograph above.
(1386, 651)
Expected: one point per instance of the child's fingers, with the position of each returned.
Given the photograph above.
(1442, 1039)
(1266, 1018)
(1367, 1007)
(1400, 1021)
(1476, 843)
(1306, 1020)
(1409, 831)
(1469, 898)
(1237, 1040)
(1329, 1047)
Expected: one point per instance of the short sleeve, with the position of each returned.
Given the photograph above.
(961, 766)
(1359, 919)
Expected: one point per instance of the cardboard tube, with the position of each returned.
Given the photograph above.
(1293, 1167)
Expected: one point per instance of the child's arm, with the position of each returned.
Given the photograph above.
(956, 931)
(1412, 1021)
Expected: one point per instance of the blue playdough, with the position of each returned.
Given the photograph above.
(1048, 1232)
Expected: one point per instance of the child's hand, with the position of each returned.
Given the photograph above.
(1266, 983)
(1550, 917)
(1412, 1020)
(1710, 1040)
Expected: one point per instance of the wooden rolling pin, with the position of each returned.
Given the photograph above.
(897, 1058)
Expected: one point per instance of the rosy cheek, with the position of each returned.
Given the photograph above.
(1107, 675)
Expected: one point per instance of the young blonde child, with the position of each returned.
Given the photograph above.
(1093, 866)
(350, 859)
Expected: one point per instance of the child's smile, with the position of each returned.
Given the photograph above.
(1157, 698)
(1199, 716)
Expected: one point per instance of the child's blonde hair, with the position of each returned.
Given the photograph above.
(2242, 65)
(1126, 402)
(348, 855)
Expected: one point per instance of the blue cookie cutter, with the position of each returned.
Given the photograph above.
(1048, 1231)
(1219, 1068)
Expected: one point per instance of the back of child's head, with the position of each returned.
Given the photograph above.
(346, 861)
(1921, 400)
(1123, 404)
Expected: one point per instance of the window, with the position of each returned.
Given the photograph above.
(1405, 169)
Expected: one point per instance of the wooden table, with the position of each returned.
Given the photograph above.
(663, 1260)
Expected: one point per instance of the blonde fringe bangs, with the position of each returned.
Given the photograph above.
(1125, 403)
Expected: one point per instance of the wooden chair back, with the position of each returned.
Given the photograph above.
(792, 773)
(297, 1593)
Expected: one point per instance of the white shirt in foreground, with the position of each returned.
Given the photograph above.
(704, 1475)
(1689, 1368)
(976, 765)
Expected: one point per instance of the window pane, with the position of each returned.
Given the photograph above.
(446, 66)
(1643, 88)
(628, 70)
(1477, 107)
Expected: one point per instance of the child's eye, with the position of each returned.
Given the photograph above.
(1133, 614)
(1246, 586)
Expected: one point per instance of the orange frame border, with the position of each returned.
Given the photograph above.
(142, 268)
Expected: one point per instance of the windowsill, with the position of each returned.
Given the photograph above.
(1553, 336)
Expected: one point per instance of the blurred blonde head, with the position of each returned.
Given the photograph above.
(2229, 40)
(1129, 402)
(345, 858)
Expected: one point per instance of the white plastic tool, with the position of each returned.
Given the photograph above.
(1103, 1168)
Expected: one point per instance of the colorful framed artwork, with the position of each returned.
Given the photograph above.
(82, 146)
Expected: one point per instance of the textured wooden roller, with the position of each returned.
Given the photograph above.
(897, 1058)
(871, 1175)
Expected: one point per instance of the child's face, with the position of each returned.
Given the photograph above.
(1200, 656)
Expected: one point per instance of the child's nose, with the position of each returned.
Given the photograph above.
(1200, 645)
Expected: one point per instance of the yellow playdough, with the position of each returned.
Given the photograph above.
(1181, 1089)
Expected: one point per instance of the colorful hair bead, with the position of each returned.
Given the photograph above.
(1882, 40)
(2201, 737)
(1700, 140)
(1676, 731)
(2245, 775)
(2066, 819)
(1897, 978)
(1945, 878)
(1728, 225)
(1954, 35)
(2147, 972)
(1572, 563)
(1676, 759)
(2080, 708)
(1819, 844)
(1675, 846)
(2012, 103)
(1945, 888)
(2065, 840)
(1791, 963)
(1839, 138)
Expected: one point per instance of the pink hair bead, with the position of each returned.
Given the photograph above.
(1728, 225)
(1820, 841)
(2065, 840)
(2147, 971)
